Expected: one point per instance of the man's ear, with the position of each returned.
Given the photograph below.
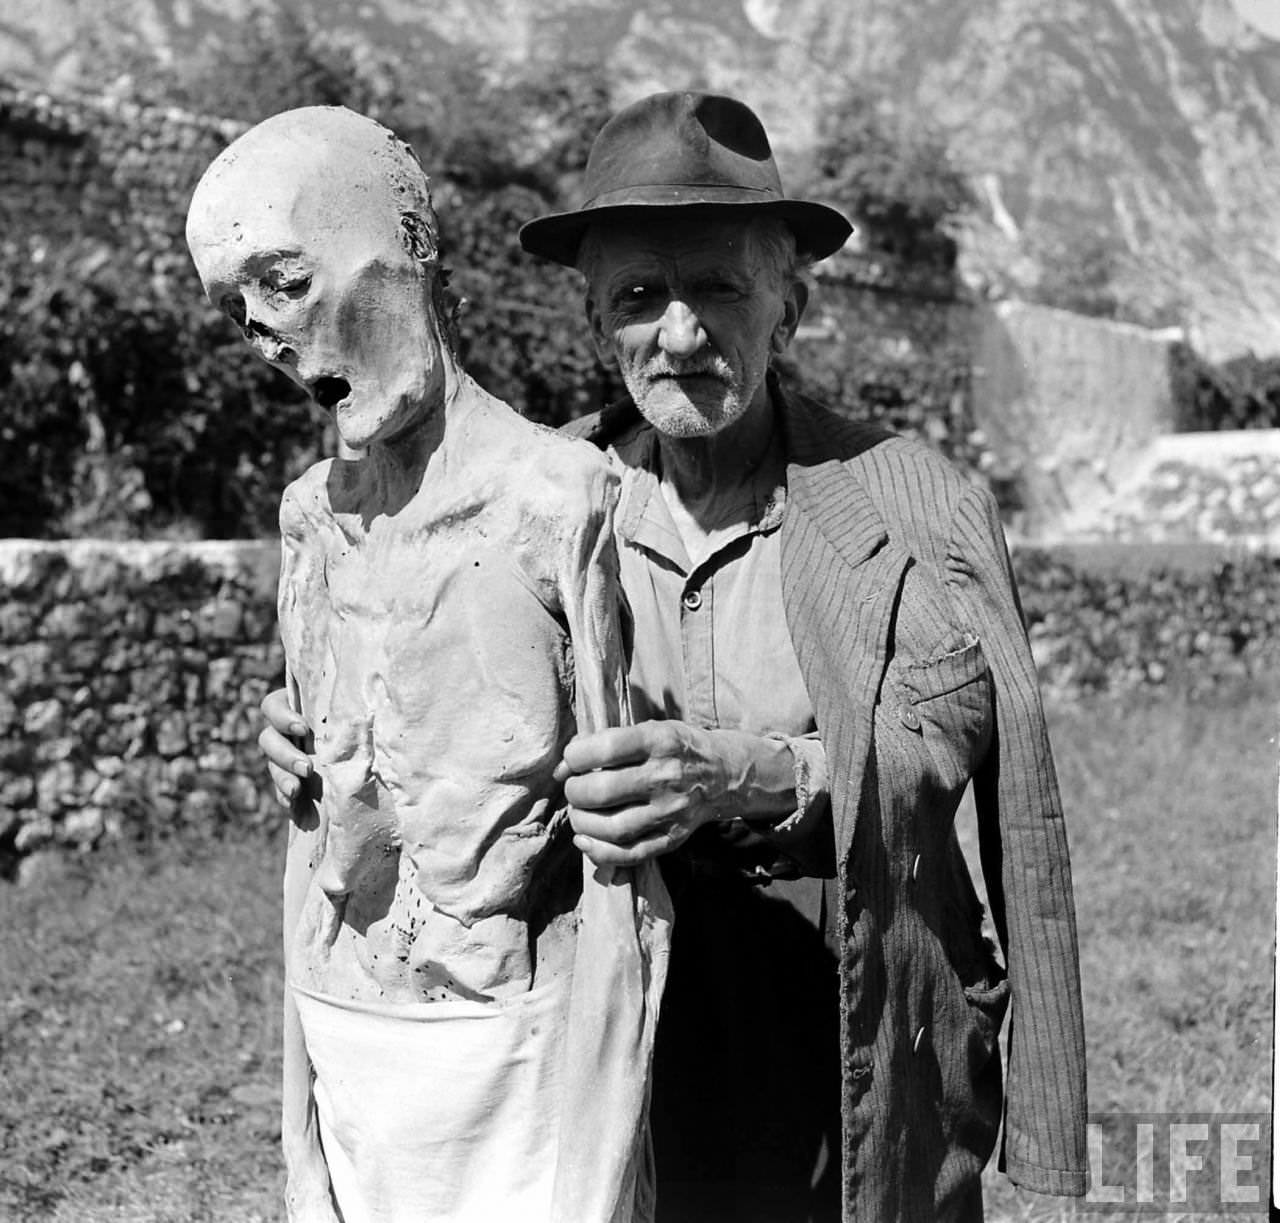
(795, 300)
(601, 337)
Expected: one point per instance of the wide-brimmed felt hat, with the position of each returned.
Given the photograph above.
(696, 151)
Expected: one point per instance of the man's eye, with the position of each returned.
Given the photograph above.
(635, 297)
(722, 290)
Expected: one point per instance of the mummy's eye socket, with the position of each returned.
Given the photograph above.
(286, 284)
(294, 287)
(233, 307)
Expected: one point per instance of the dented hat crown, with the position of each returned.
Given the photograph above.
(696, 151)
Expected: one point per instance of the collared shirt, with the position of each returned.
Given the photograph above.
(746, 1098)
(711, 645)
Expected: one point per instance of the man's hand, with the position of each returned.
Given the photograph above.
(636, 792)
(286, 762)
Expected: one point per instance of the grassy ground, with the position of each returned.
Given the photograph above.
(1172, 812)
(139, 1025)
(139, 1039)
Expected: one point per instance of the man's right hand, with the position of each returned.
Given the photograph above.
(287, 763)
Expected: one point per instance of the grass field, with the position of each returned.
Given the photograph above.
(139, 1034)
(1171, 807)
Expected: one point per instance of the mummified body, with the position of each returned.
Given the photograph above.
(430, 650)
(448, 610)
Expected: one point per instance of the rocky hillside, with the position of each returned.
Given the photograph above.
(1138, 135)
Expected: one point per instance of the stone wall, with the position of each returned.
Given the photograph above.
(101, 168)
(1068, 403)
(130, 677)
(1219, 488)
(131, 674)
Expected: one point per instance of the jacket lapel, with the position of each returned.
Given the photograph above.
(841, 574)
(838, 505)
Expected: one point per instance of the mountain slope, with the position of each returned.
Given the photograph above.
(1144, 129)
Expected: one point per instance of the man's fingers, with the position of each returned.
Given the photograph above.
(286, 763)
(620, 827)
(282, 752)
(285, 783)
(615, 787)
(603, 853)
(275, 708)
(619, 745)
(627, 826)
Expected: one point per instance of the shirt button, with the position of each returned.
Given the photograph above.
(692, 600)
(910, 719)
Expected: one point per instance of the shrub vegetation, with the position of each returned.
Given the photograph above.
(131, 409)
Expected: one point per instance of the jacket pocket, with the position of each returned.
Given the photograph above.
(987, 1006)
(985, 1089)
(956, 664)
(946, 700)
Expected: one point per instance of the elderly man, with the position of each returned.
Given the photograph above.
(469, 1013)
(828, 649)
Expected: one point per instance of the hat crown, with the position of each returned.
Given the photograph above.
(693, 151)
(680, 141)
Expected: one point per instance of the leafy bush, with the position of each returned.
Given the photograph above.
(133, 409)
(1135, 619)
(894, 174)
(501, 154)
(500, 148)
(905, 353)
(1243, 393)
(900, 361)
(129, 410)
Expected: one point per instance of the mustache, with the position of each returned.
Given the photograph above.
(666, 367)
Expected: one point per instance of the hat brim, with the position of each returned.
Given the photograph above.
(819, 230)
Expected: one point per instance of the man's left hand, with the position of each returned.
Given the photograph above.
(636, 792)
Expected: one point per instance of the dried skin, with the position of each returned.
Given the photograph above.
(431, 654)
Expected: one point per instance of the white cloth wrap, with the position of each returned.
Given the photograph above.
(530, 1108)
(431, 1111)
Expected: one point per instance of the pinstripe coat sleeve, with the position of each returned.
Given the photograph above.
(1026, 867)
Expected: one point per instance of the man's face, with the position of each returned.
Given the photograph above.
(321, 286)
(690, 311)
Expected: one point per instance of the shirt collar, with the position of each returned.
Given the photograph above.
(643, 518)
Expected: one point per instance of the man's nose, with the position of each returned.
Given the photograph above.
(680, 331)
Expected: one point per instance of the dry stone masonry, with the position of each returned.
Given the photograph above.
(131, 673)
(1219, 488)
(130, 676)
(102, 167)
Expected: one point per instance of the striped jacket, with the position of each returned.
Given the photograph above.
(904, 616)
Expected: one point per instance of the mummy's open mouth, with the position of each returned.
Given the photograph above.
(329, 392)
